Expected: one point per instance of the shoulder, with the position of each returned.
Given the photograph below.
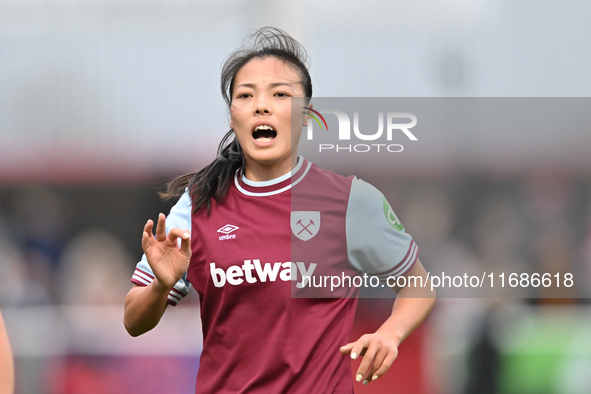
(184, 203)
(329, 179)
(363, 192)
(180, 214)
(377, 242)
(184, 200)
(366, 200)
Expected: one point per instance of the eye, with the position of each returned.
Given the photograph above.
(281, 94)
(243, 95)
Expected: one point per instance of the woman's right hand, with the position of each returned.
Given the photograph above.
(168, 262)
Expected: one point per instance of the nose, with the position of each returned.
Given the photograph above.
(262, 106)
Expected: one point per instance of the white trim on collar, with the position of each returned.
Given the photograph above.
(275, 181)
(273, 192)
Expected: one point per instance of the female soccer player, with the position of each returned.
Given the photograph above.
(247, 240)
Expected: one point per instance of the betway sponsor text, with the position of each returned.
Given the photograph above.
(253, 271)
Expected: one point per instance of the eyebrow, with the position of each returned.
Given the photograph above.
(273, 85)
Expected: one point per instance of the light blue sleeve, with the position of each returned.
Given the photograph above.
(179, 216)
(377, 243)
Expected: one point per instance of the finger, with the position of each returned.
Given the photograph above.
(359, 347)
(185, 237)
(146, 235)
(347, 348)
(366, 363)
(145, 242)
(377, 363)
(149, 226)
(386, 364)
(186, 243)
(161, 228)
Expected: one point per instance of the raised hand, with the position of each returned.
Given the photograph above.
(168, 261)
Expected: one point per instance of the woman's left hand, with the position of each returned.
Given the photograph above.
(378, 350)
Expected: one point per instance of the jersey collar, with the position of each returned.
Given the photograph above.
(273, 186)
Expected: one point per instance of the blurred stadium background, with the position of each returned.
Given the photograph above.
(101, 101)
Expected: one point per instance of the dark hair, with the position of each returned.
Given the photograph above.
(214, 179)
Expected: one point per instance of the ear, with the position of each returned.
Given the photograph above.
(231, 124)
(306, 117)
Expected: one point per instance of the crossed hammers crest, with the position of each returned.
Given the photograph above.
(305, 228)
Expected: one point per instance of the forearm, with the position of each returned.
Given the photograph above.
(144, 307)
(407, 315)
(412, 306)
(6, 362)
(380, 349)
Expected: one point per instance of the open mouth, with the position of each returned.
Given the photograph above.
(264, 133)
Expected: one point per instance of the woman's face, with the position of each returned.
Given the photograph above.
(261, 115)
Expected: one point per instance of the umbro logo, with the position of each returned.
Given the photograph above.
(227, 229)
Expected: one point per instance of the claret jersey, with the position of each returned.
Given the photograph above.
(250, 258)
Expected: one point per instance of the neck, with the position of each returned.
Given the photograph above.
(260, 172)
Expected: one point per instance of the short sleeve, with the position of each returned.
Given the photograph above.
(377, 243)
(179, 216)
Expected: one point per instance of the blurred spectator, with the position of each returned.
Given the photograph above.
(39, 221)
(429, 216)
(18, 285)
(40, 218)
(548, 199)
(553, 254)
(484, 360)
(94, 270)
(500, 234)
(547, 195)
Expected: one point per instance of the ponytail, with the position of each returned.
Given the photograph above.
(213, 180)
